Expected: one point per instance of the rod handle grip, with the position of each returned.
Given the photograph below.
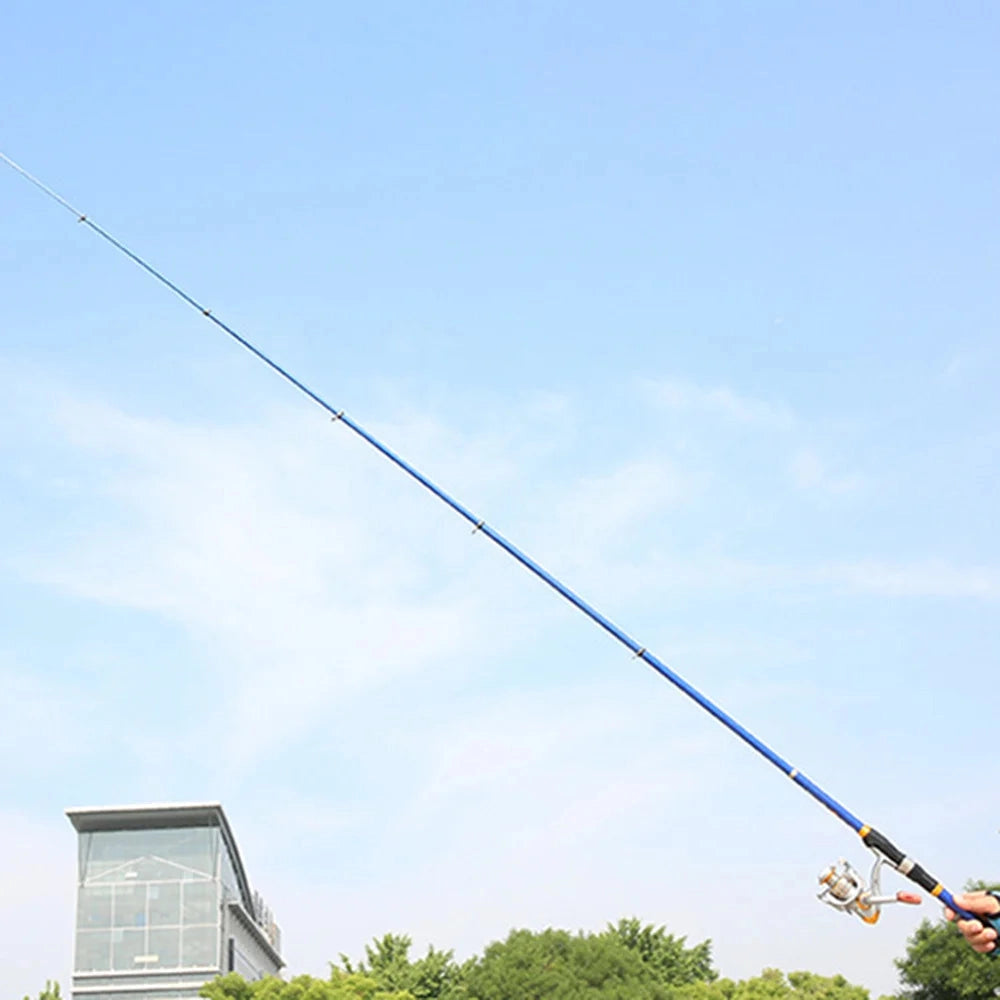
(991, 920)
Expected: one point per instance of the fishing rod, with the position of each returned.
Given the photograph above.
(841, 886)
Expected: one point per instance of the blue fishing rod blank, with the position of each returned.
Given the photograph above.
(855, 898)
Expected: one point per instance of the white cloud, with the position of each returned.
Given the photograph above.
(306, 569)
(46, 714)
(677, 394)
(604, 509)
(308, 579)
(970, 364)
(810, 472)
(507, 804)
(719, 574)
(592, 528)
(917, 579)
(505, 741)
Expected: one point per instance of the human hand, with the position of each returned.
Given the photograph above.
(982, 936)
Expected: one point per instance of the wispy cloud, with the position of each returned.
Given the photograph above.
(593, 525)
(516, 784)
(917, 579)
(720, 401)
(307, 580)
(305, 569)
(51, 715)
(810, 472)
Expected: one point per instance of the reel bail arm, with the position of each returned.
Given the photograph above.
(844, 888)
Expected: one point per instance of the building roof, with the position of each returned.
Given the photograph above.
(149, 816)
(156, 816)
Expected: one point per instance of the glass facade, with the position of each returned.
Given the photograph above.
(151, 900)
(163, 904)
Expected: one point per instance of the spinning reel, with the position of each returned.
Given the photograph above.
(843, 888)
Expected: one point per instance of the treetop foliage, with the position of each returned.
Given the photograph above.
(51, 992)
(773, 984)
(664, 954)
(387, 962)
(626, 961)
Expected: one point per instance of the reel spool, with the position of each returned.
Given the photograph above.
(843, 888)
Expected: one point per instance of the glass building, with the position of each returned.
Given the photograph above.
(164, 904)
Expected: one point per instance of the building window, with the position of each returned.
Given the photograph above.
(149, 900)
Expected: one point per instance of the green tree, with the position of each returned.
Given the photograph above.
(626, 961)
(772, 984)
(340, 986)
(51, 991)
(808, 984)
(232, 986)
(666, 956)
(387, 961)
(939, 965)
(557, 965)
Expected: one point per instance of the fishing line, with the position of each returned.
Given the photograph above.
(841, 886)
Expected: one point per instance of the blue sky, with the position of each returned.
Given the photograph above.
(696, 303)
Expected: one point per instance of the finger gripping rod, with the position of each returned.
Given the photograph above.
(872, 838)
